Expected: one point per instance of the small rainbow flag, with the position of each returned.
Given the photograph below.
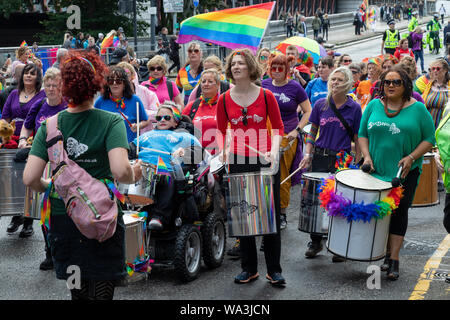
(161, 168)
(111, 40)
(24, 44)
(234, 28)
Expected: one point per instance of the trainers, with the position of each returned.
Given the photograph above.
(276, 278)
(155, 224)
(337, 258)
(283, 221)
(47, 264)
(313, 249)
(236, 250)
(246, 277)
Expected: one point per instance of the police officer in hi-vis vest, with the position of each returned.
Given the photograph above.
(391, 37)
(434, 26)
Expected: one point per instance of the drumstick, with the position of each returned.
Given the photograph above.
(396, 181)
(155, 150)
(255, 150)
(137, 116)
(289, 176)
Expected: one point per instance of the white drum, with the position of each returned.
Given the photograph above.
(216, 165)
(359, 240)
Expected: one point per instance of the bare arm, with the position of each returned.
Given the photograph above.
(121, 168)
(32, 174)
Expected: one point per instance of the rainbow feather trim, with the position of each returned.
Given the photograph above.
(339, 206)
(46, 207)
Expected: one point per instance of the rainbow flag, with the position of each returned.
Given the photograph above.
(24, 44)
(111, 40)
(234, 28)
(161, 167)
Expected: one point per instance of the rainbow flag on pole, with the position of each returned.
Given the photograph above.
(234, 28)
(161, 167)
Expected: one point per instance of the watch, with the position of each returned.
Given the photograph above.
(298, 129)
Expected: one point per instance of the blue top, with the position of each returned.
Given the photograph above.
(316, 89)
(166, 141)
(128, 112)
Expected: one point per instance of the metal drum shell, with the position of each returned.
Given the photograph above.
(33, 200)
(252, 207)
(140, 193)
(312, 218)
(12, 189)
(134, 237)
(358, 240)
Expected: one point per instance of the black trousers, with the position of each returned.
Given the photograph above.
(272, 242)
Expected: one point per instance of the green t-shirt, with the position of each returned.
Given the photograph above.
(391, 139)
(88, 137)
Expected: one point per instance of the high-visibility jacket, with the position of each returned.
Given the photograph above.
(392, 39)
(413, 24)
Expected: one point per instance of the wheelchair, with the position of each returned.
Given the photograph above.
(196, 231)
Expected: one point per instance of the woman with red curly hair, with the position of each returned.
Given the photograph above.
(96, 140)
(292, 99)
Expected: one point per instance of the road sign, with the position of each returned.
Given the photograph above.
(196, 3)
(173, 6)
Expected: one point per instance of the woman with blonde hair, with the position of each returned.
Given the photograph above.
(165, 89)
(263, 59)
(189, 76)
(335, 136)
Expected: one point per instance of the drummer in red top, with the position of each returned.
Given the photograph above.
(202, 111)
(247, 109)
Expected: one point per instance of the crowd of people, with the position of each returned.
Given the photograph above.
(356, 107)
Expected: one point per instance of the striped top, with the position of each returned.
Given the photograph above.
(436, 101)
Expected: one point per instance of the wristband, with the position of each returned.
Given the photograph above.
(409, 155)
(298, 129)
(308, 155)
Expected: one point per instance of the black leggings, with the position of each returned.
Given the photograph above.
(399, 217)
(272, 242)
(447, 212)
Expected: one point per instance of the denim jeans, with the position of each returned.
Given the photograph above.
(418, 54)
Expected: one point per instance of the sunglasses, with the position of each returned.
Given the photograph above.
(244, 113)
(193, 51)
(347, 61)
(354, 71)
(166, 117)
(437, 69)
(277, 68)
(396, 82)
(115, 80)
(156, 68)
(263, 57)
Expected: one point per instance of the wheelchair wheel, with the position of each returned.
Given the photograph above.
(214, 240)
(188, 253)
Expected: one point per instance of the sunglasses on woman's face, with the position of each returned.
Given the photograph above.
(347, 60)
(115, 80)
(437, 69)
(156, 68)
(193, 51)
(166, 117)
(277, 68)
(263, 57)
(395, 83)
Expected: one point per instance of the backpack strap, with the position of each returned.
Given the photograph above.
(224, 106)
(56, 152)
(170, 89)
(198, 93)
(194, 108)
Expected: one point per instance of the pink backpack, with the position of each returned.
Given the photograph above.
(88, 200)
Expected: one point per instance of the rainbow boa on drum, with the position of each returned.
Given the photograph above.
(337, 205)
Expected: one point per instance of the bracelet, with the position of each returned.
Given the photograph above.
(298, 129)
(308, 155)
(409, 155)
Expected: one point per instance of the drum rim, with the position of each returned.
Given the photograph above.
(327, 173)
(357, 188)
(250, 174)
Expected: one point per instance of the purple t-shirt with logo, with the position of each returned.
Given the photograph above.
(40, 112)
(333, 134)
(288, 97)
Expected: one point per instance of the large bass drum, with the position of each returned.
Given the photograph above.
(359, 240)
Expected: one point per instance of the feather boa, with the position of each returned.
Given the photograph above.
(339, 206)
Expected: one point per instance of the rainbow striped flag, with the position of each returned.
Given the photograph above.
(234, 28)
(111, 40)
(161, 167)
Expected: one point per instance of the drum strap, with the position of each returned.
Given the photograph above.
(341, 118)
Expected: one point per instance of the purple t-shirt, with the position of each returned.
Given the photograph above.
(333, 134)
(288, 97)
(40, 112)
(12, 109)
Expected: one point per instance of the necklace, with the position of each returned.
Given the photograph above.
(27, 95)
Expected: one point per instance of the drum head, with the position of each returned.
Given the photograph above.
(316, 175)
(216, 165)
(358, 179)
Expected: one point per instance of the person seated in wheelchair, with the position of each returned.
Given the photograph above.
(169, 145)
